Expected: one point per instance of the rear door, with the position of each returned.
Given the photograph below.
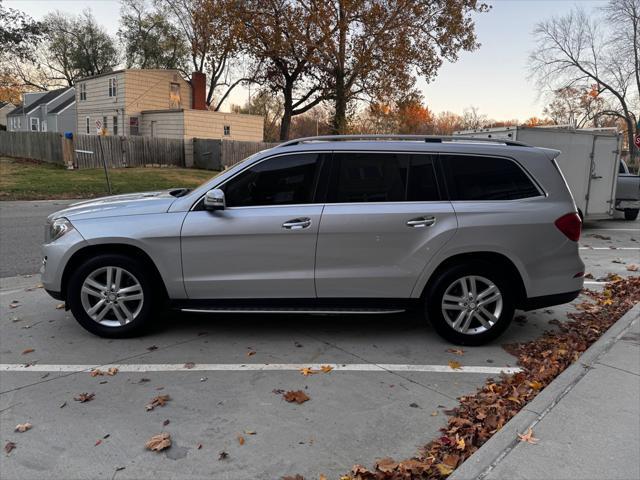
(385, 217)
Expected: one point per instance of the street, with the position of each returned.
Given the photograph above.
(385, 396)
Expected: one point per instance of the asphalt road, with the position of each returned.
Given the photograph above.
(385, 397)
(22, 233)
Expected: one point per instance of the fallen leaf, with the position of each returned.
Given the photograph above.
(9, 446)
(632, 267)
(166, 422)
(84, 397)
(250, 353)
(293, 477)
(28, 350)
(223, 455)
(23, 427)
(159, 442)
(64, 404)
(528, 437)
(158, 401)
(326, 368)
(455, 351)
(444, 470)
(98, 442)
(536, 385)
(434, 413)
(306, 371)
(152, 348)
(96, 372)
(297, 396)
(240, 439)
(189, 365)
(250, 432)
(112, 371)
(322, 477)
(199, 447)
(460, 445)
(454, 365)
(60, 306)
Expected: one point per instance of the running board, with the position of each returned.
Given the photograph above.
(293, 310)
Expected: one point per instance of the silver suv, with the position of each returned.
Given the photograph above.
(462, 229)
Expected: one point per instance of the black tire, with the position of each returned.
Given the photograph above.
(631, 213)
(447, 277)
(142, 320)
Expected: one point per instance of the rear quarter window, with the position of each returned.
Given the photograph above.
(486, 178)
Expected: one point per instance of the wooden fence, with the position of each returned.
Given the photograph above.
(128, 151)
(43, 146)
(234, 151)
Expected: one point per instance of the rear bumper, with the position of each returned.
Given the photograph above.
(627, 204)
(534, 303)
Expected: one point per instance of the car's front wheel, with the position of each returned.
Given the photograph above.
(470, 304)
(111, 296)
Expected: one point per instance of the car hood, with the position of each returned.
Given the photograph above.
(118, 205)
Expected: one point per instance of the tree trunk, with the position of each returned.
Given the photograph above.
(339, 126)
(633, 150)
(287, 113)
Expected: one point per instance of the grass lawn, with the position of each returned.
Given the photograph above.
(29, 180)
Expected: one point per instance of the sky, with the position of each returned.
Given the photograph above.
(492, 78)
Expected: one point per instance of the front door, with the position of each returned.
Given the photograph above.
(262, 245)
(384, 219)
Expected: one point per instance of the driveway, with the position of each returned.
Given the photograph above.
(385, 396)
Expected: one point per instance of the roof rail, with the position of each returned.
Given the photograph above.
(415, 138)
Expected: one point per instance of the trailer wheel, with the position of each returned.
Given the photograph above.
(631, 213)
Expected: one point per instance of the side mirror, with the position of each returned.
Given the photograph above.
(214, 200)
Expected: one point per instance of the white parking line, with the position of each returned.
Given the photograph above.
(252, 367)
(609, 248)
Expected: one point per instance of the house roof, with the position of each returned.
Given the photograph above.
(46, 98)
(4, 104)
(172, 70)
(63, 105)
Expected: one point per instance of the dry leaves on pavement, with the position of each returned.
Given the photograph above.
(84, 397)
(240, 439)
(455, 351)
(158, 401)
(306, 371)
(23, 427)
(159, 442)
(632, 267)
(528, 437)
(297, 396)
(9, 446)
(455, 365)
(28, 350)
(481, 414)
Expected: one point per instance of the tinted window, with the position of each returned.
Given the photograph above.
(423, 186)
(368, 177)
(289, 179)
(486, 178)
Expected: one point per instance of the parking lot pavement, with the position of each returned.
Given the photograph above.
(391, 376)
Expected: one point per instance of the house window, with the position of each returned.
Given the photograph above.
(35, 124)
(174, 96)
(83, 91)
(104, 124)
(44, 126)
(115, 124)
(227, 130)
(113, 91)
(88, 126)
(134, 126)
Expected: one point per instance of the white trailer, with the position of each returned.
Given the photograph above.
(589, 160)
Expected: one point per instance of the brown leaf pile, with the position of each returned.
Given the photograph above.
(486, 411)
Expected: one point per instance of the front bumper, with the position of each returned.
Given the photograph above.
(55, 256)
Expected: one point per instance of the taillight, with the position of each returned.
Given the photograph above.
(570, 224)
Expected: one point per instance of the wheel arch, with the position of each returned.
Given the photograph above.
(495, 260)
(111, 248)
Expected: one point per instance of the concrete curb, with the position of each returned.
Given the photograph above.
(500, 445)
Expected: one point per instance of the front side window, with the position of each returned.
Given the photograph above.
(35, 124)
(283, 180)
(83, 91)
(486, 178)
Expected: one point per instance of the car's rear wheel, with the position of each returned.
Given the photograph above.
(111, 296)
(470, 304)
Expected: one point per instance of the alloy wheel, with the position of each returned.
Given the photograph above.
(472, 304)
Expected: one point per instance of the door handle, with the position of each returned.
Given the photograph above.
(297, 223)
(421, 222)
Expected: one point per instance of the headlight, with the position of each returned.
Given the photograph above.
(57, 229)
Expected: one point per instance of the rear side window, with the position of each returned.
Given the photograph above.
(284, 180)
(486, 178)
(382, 177)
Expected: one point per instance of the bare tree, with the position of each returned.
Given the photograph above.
(472, 119)
(575, 50)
